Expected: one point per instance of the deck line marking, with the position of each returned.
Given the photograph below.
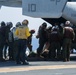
(30, 68)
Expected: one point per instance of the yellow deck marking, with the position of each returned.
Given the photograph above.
(30, 68)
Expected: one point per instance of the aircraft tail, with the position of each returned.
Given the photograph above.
(43, 8)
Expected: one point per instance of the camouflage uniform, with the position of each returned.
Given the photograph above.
(68, 36)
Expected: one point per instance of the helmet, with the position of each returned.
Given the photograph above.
(9, 24)
(25, 22)
(44, 24)
(3, 24)
(32, 31)
(18, 24)
(67, 23)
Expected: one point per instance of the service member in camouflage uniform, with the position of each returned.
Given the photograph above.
(68, 36)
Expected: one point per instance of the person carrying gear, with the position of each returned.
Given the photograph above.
(47, 44)
(22, 32)
(29, 40)
(15, 45)
(55, 44)
(3, 39)
(10, 40)
(68, 36)
(42, 38)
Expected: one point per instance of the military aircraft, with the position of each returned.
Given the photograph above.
(50, 10)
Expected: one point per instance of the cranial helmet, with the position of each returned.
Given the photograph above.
(67, 23)
(44, 24)
(3, 23)
(25, 22)
(9, 24)
(18, 24)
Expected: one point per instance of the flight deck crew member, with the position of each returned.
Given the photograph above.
(15, 44)
(55, 44)
(23, 33)
(2, 39)
(10, 39)
(29, 40)
(42, 38)
(68, 36)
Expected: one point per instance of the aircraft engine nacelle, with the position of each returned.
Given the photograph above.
(43, 8)
(69, 12)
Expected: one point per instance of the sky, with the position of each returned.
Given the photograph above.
(14, 15)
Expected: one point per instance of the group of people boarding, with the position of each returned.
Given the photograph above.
(15, 40)
(55, 42)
